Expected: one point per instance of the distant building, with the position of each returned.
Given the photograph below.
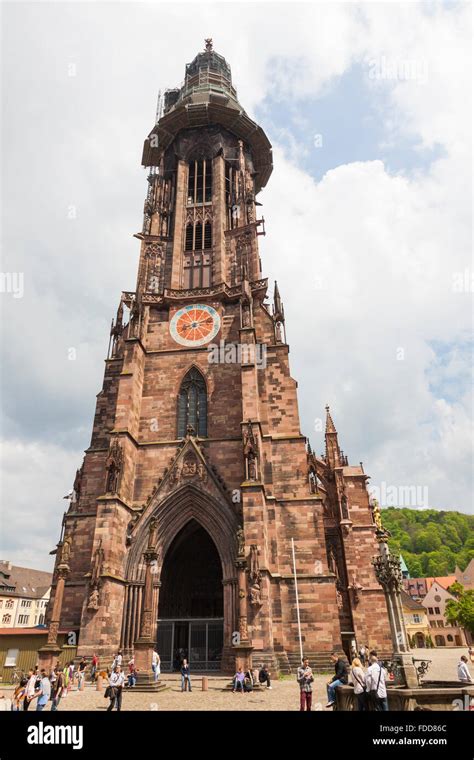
(416, 621)
(404, 568)
(24, 595)
(417, 588)
(443, 634)
(466, 577)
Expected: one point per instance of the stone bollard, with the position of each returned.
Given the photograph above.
(99, 683)
(204, 683)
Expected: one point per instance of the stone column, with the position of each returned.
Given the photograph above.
(389, 575)
(242, 649)
(144, 645)
(48, 654)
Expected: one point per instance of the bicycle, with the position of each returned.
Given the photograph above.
(16, 677)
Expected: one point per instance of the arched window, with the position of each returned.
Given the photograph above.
(192, 404)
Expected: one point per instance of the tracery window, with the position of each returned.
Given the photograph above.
(192, 404)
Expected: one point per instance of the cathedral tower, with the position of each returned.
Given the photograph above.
(198, 477)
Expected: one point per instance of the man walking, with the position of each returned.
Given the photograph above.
(116, 682)
(305, 680)
(57, 687)
(44, 692)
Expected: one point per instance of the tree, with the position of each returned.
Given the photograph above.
(460, 611)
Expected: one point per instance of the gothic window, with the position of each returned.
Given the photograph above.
(200, 182)
(189, 237)
(208, 235)
(192, 404)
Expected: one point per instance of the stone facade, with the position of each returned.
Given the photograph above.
(251, 481)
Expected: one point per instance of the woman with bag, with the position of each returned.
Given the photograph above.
(360, 688)
(114, 689)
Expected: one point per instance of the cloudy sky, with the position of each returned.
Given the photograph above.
(368, 217)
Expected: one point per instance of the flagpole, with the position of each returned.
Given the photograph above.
(297, 598)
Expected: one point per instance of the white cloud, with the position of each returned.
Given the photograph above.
(384, 247)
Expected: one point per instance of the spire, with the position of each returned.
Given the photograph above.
(333, 452)
(278, 312)
(330, 426)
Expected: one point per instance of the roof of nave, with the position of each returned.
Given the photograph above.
(23, 581)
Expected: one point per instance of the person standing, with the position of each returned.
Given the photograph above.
(341, 672)
(156, 665)
(30, 689)
(57, 688)
(305, 679)
(94, 666)
(44, 692)
(185, 676)
(376, 686)
(116, 682)
(471, 655)
(358, 680)
(19, 696)
(70, 676)
(132, 673)
(82, 672)
(463, 671)
(362, 655)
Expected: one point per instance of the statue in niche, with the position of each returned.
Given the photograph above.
(97, 564)
(93, 601)
(66, 550)
(240, 542)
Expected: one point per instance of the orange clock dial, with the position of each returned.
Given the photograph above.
(195, 325)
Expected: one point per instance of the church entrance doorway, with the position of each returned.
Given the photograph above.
(191, 607)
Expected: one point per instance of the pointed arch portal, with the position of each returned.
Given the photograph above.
(191, 601)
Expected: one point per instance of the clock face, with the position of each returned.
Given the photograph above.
(195, 325)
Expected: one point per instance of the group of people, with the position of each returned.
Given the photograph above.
(369, 685)
(245, 681)
(39, 686)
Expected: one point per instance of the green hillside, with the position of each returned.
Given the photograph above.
(432, 542)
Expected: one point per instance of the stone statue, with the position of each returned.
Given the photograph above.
(255, 597)
(152, 533)
(66, 550)
(356, 588)
(240, 542)
(97, 564)
(93, 602)
(254, 568)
